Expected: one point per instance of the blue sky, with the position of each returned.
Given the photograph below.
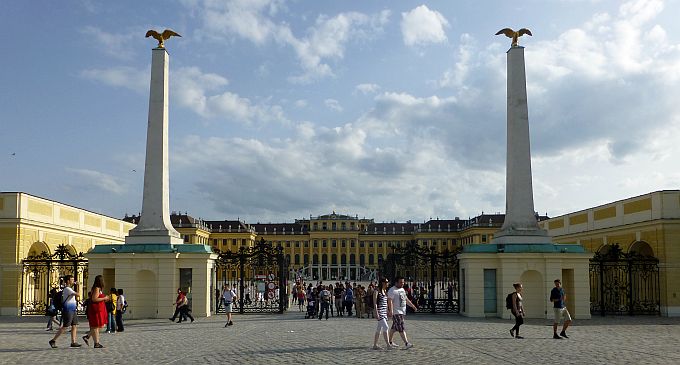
(384, 109)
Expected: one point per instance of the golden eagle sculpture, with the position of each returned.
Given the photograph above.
(160, 37)
(514, 35)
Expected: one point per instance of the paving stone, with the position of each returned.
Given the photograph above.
(291, 339)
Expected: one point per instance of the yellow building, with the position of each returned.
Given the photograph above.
(53, 234)
(637, 244)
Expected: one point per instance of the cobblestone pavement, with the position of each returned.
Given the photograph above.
(289, 338)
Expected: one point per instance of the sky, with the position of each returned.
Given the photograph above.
(391, 110)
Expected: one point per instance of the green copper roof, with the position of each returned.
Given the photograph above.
(524, 248)
(151, 248)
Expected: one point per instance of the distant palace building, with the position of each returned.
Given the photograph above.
(41, 239)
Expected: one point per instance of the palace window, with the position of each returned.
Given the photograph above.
(334, 259)
(297, 259)
(324, 243)
(380, 244)
(344, 243)
(352, 243)
(371, 244)
(324, 259)
(362, 260)
(306, 259)
(343, 226)
(370, 259)
(334, 243)
(343, 259)
(316, 226)
(334, 226)
(362, 243)
(352, 259)
(324, 226)
(297, 243)
(316, 243)
(306, 243)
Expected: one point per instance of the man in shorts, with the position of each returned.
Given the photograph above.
(228, 296)
(396, 308)
(69, 318)
(559, 300)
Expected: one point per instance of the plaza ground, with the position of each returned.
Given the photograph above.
(289, 338)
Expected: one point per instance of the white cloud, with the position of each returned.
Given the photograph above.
(121, 76)
(367, 88)
(102, 181)
(421, 26)
(118, 45)
(324, 42)
(333, 105)
(301, 103)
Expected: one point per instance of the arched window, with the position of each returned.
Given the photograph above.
(362, 260)
(288, 258)
(297, 259)
(324, 259)
(306, 259)
(641, 248)
(334, 259)
(352, 259)
(370, 259)
(343, 259)
(315, 259)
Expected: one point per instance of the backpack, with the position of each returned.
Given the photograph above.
(508, 301)
(123, 309)
(58, 300)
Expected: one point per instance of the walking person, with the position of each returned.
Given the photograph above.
(111, 311)
(185, 309)
(559, 299)
(121, 307)
(348, 298)
(51, 311)
(517, 310)
(228, 297)
(178, 302)
(325, 299)
(96, 311)
(380, 310)
(396, 308)
(69, 318)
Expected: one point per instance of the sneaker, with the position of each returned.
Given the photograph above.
(564, 334)
(519, 337)
(85, 339)
(512, 333)
(231, 323)
(172, 319)
(555, 336)
(98, 346)
(376, 347)
(408, 346)
(75, 344)
(226, 324)
(53, 344)
(394, 345)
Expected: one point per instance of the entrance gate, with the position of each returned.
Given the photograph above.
(624, 283)
(43, 272)
(259, 275)
(431, 276)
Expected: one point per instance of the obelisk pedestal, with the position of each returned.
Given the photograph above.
(154, 262)
(521, 251)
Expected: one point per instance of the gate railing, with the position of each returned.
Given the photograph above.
(431, 277)
(260, 273)
(624, 283)
(43, 272)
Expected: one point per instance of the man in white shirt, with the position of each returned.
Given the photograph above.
(396, 308)
(228, 296)
(69, 316)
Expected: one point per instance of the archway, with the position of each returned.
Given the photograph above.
(641, 248)
(533, 296)
(38, 248)
(144, 304)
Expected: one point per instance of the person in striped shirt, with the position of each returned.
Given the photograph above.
(380, 309)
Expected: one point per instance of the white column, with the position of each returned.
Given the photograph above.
(154, 225)
(520, 225)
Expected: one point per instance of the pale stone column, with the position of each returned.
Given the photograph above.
(520, 219)
(154, 225)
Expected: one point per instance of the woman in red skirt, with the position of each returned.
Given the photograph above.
(96, 311)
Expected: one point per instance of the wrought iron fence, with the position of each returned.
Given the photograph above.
(259, 275)
(431, 277)
(624, 283)
(43, 272)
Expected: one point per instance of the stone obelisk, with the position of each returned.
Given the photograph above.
(154, 225)
(520, 225)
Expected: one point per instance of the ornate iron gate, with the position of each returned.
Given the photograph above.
(431, 276)
(260, 276)
(43, 272)
(623, 283)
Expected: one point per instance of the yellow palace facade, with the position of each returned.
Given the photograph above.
(337, 246)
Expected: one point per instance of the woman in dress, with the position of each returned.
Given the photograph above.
(380, 309)
(96, 311)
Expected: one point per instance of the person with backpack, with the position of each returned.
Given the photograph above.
(325, 296)
(111, 311)
(228, 297)
(51, 311)
(514, 302)
(68, 301)
(121, 307)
